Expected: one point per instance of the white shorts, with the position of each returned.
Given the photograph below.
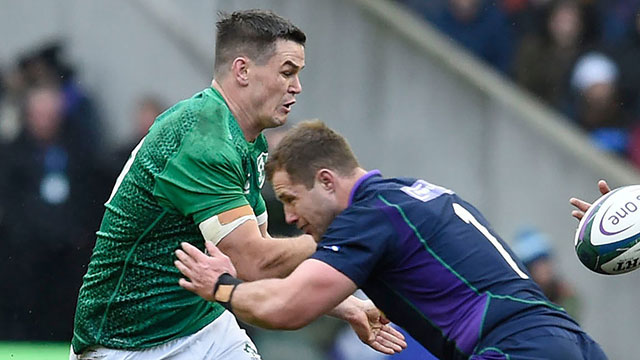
(223, 339)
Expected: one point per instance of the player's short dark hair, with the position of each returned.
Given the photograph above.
(251, 33)
(308, 147)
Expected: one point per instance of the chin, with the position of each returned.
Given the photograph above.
(280, 121)
(275, 122)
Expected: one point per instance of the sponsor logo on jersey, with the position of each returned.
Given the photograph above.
(424, 191)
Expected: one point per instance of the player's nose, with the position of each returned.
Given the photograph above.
(290, 217)
(296, 85)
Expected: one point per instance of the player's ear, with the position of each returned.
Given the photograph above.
(326, 179)
(240, 70)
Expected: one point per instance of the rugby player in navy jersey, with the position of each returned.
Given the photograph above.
(428, 259)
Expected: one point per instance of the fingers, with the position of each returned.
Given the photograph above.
(186, 261)
(577, 214)
(185, 270)
(603, 187)
(213, 249)
(580, 204)
(387, 346)
(392, 334)
(192, 251)
(186, 284)
(381, 348)
(391, 338)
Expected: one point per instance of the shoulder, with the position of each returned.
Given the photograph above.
(205, 112)
(196, 131)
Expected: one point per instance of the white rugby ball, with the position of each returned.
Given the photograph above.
(607, 240)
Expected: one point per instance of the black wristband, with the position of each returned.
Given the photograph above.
(225, 281)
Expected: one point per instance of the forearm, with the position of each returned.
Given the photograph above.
(347, 309)
(262, 304)
(270, 257)
(313, 289)
(274, 304)
(283, 255)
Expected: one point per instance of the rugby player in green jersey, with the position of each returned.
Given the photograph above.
(197, 176)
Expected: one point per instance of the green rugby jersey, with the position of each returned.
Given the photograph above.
(193, 164)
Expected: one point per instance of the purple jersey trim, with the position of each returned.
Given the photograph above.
(360, 181)
(450, 296)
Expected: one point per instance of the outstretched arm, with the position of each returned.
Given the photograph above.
(582, 206)
(255, 254)
(313, 289)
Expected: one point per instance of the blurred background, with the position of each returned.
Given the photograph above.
(517, 105)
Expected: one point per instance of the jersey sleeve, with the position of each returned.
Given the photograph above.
(355, 243)
(201, 180)
(260, 208)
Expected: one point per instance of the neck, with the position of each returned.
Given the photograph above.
(247, 124)
(349, 184)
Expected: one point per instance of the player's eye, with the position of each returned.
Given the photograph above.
(286, 200)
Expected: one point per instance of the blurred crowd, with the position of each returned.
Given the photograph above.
(578, 56)
(55, 174)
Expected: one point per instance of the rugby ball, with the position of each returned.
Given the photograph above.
(607, 240)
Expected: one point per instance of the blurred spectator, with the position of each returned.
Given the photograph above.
(617, 19)
(526, 16)
(50, 214)
(147, 109)
(45, 65)
(428, 9)
(544, 60)
(597, 108)
(633, 147)
(534, 249)
(626, 53)
(13, 88)
(481, 27)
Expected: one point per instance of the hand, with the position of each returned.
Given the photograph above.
(202, 270)
(582, 205)
(373, 329)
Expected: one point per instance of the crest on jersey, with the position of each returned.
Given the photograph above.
(261, 161)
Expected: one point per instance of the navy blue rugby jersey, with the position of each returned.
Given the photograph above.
(430, 261)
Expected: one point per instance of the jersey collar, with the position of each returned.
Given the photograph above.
(364, 178)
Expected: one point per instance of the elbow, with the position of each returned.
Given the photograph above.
(272, 265)
(258, 262)
(257, 270)
(262, 266)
